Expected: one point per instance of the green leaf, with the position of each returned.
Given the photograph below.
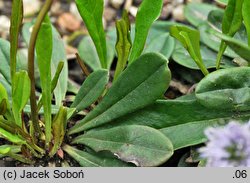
(158, 40)
(140, 145)
(182, 57)
(3, 107)
(10, 150)
(59, 129)
(123, 44)
(86, 159)
(130, 92)
(5, 149)
(44, 47)
(4, 96)
(21, 94)
(225, 89)
(5, 59)
(6, 85)
(88, 53)
(181, 137)
(91, 89)
(231, 23)
(11, 137)
(91, 13)
(146, 15)
(246, 18)
(232, 18)
(190, 39)
(239, 47)
(59, 54)
(16, 22)
(215, 21)
(222, 2)
(163, 44)
(54, 83)
(197, 13)
(166, 113)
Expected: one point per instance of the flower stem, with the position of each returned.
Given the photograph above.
(31, 58)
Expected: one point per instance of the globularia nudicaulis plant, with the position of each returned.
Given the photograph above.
(131, 123)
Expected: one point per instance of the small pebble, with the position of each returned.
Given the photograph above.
(116, 3)
(30, 7)
(69, 22)
(5, 23)
(178, 13)
(73, 9)
(133, 10)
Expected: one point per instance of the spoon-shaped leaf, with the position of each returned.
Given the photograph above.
(91, 89)
(226, 89)
(141, 145)
(91, 13)
(197, 13)
(133, 90)
(146, 15)
(86, 159)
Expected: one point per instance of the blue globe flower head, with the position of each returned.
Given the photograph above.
(227, 146)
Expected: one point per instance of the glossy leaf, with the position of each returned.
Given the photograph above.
(239, 47)
(91, 89)
(140, 145)
(182, 57)
(16, 22)
(91, 13)
(21, 94)
(246, 18)
(123, 44)
(130, 92)
(5, 59)
(86, 159)
(59, 129)
(44, 47)
(196, 13)
(145, 17)
(190, 39)
(225, 89)
(88, 53)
